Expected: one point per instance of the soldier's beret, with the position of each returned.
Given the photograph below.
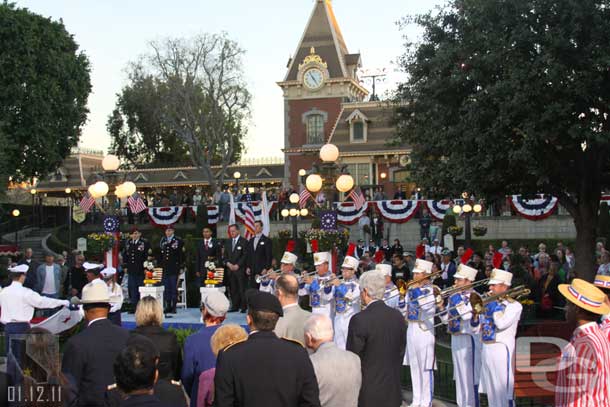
(262, 301)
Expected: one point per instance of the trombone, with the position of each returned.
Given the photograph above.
(404, 286)
(260, 278)
(478, 302)
(449, 291)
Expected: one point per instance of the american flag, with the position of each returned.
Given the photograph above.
(136, 204)
(87, 202)
(304, 196)
(357, 197)
(249, 221)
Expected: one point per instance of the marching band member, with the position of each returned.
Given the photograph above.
(347, 299)
(320, 292)
(390, 297)
(419, 355)
(498, 327)
(116, 295)
(463, 348)
(287, 266)
(603, 283)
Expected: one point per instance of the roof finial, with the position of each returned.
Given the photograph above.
(312, 50)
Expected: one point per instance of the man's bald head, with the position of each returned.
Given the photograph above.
(288, 285)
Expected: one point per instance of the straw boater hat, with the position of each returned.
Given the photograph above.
(423, 266)
(350, 263)
(466, 272)
(500, 277)
(321, 257)
(586, 296)
(602, 282)
(386, 269)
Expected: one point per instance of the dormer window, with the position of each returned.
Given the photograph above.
(358, 127)
(314, 121)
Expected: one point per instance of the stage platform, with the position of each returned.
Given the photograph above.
(188, 318)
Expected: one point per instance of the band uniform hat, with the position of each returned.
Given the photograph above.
(466, 272)
(423, 266)
(95, 293)
(108, 272)
(500, 277)
(321, 257)
(350, 263)
(263, 301)
(407, 254)
(386, 269)
(215, 303)
(22, 268)
(602, 281)
(586, 296)
(289, 258)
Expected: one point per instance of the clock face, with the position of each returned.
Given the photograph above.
(313, 78)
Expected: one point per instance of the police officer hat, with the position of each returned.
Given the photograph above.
(262, 301)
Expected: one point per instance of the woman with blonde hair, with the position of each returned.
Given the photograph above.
(224, 336)
(149, 320)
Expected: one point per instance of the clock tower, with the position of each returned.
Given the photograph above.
(321, 76)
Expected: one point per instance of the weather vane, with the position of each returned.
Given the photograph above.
(372, 76)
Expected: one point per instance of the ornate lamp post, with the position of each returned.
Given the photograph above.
(68, 191)
(15, 213)
(100, 189)
(468, 208)
(294, 212)
(237, 176)
(327, 179)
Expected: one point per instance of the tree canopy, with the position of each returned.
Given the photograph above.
(45, 85)
(509, 97)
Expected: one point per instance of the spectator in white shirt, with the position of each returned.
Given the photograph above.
(504, 249)
(436, 248)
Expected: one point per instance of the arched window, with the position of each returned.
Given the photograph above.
(315, 129)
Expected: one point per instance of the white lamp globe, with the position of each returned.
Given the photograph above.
(285, 213)
(344, 183)
(313, 182)
(68, 190)
(477, 208)
(302, 172)
(294, 198)
(129, 188)
(237, 175)
(457, 209)
(119, 191)
(329, 153)
(294, 212)
(304, 212)
(110, 163)
(33, 191)
(467, 208)
(16, 212)
(101, 188)
(92, 191)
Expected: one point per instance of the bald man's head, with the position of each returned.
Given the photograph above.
(288, 285)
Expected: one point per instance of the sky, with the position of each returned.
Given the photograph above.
(112, 33)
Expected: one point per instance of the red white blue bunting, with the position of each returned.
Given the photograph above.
(257, 208)
(212, 213)
(165, 216)
(437, 209)
(534, 209)
(397, 211)
(348, 214)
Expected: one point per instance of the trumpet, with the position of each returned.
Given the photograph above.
(449, 291)
(404, 286)
(260, 278)
(331, 281)
(478, 302)
(303, 275)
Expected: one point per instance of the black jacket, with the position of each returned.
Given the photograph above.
(378, 336)
(204, 254)
(166, 394)
(171, 255)
(76, 278)
(237, 256)
(170, 362)
(259, 259)
(31, 278)
(88, 360)
(289, 378)
(134, 256)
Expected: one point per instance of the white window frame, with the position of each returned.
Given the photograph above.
(358, 116)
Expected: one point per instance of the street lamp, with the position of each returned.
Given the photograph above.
(69, 204)
(101, 188)
(16, 213)
(468, 209)
(294, 212)
(328, 180)
(237, 176)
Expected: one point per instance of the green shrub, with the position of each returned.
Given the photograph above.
(181, 335)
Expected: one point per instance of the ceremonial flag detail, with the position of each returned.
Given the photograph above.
(397, 211)
(438, 209)
(249, 221)
(358, 197)
(87, 202)
(534, 209)
(165, 216)
(136, 204)
(304, 196)
(348, 214)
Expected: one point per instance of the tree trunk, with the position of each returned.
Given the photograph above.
(585, 244)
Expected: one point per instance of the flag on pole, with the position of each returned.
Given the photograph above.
(231, 213)
(136, 204)
(304, 196)
(358, 197)
(87, 202)
(265, 209)
(249, 221)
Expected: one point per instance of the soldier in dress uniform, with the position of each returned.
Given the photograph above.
(287, 266)
(603, 283)
(498, 327)
(135, 253)
(419, 309)
(347, 299)
(289, 378)
(171, 260)
(463, 348)
(319, 287)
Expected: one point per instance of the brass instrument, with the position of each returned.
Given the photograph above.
(478, 301)
(449, 291)
(407, 285)
(330, 281)
(260, 278)
(303, 275)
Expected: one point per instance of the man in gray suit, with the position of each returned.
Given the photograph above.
(292, 324)
(337, 370)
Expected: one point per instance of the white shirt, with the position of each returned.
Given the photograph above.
(435, 249)
(49, 281)
(18, 303)
(116, 296)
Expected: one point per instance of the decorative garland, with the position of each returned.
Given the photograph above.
(534, 209)
(347, 213)
(397, 211)
(438, 209)
(165, 216)
(213, 214)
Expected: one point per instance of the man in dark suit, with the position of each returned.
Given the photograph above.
(135, 253)
(378, 336)
(171, 260)
(30, 280)
(260, 254)
(235, 256)
(89, 355)
(289, 380)
(207, 250)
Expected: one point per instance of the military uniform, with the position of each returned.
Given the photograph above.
(171, 261)
(135, 253)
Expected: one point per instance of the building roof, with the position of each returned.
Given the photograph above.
(323, 34)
